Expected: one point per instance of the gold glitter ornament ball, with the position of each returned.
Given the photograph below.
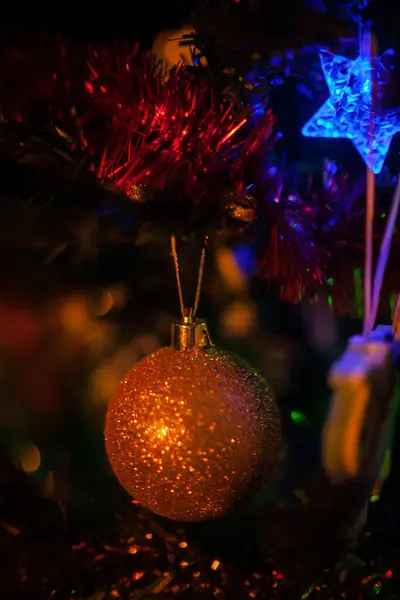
(191, 434)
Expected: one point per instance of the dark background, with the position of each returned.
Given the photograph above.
(137, 21)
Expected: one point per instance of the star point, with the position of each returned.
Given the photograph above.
(352, 109)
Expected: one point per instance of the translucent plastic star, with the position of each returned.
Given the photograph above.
(353, 110)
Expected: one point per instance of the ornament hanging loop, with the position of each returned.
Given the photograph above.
(190, 332)
(188, 315)
(185, 335)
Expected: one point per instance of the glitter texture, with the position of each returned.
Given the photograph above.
(191, 434)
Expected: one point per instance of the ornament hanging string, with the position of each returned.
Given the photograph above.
(384, 253)
(191, 312)
(372, 291)
(368, 50)
(369, 233)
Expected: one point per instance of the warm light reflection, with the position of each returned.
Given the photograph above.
(159, 431)
(73, 313)
(105, 304)
(29, 458)
(106, 377)
(230, 271)
(166, 47)
(162, 432)
(239, 320)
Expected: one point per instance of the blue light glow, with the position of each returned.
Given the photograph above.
(244, 258)
(357, 88)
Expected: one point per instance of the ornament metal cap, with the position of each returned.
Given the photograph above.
(190, 333)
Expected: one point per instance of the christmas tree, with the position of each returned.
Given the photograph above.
(144, 165)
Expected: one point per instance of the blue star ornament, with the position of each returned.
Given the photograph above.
(354, 108)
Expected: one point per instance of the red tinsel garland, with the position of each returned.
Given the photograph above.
(168, 140)
(170, 131)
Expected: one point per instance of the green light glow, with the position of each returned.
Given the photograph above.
(359, 293)
(298, 417)
(393, 302)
